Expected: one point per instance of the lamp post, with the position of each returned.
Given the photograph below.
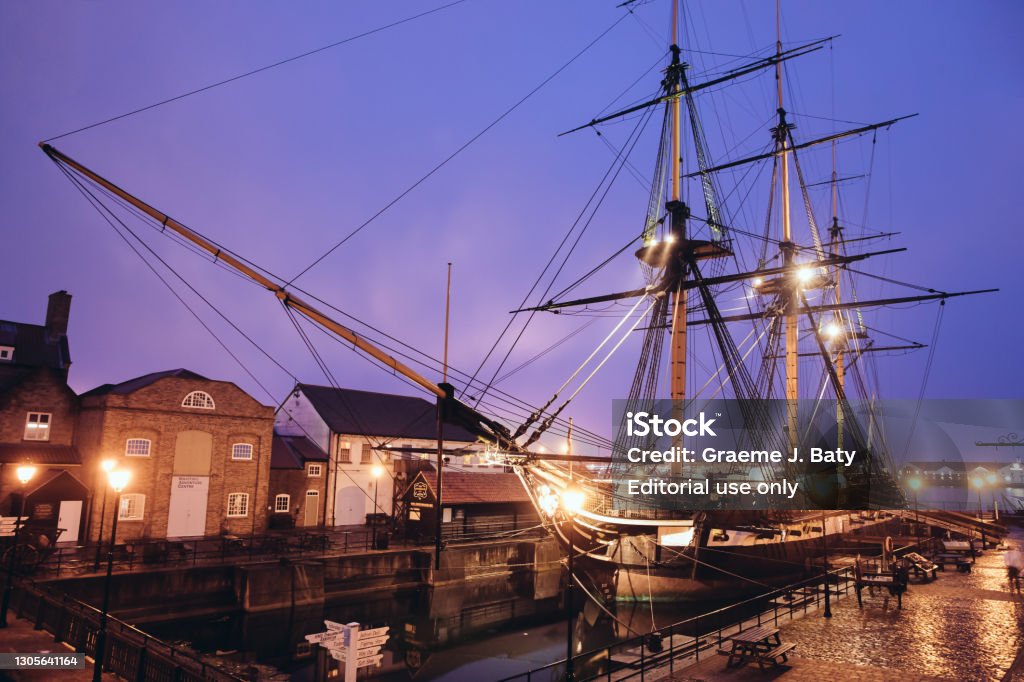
(824, 545)
(24, 474)
(118, 479)
(106, 466)
(376, 471)
(992, 478)
(978, 483)
(571, 502)
(915, 485)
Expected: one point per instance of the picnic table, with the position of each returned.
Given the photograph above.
(760, 644)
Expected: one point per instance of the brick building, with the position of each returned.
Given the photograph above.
(298, 482)
(38, 414)
(199, 451)
(353, 427)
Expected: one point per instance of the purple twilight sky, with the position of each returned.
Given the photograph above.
(279, 166)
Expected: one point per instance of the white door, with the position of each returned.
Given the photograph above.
(187, 514)
(69, 517)
(350, 507)
(312, 512)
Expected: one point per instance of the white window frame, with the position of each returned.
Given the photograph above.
(6, 353)
(38, 429)
(244, 499)
(310, 468)
(234, 452)
(286, 498)
(344, 452)
(125, 511)
(199, 400)
(128, 447)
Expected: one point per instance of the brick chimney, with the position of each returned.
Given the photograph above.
(57, 312)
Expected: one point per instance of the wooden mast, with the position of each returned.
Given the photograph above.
(788, 250)
(839, 339)
(677, 215)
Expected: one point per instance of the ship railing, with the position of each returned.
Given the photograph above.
(684, 643)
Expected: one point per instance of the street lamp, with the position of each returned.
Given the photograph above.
(915, 484)
(106, 466)
(24, 473)
(571, 503)
(992, 478)
(118, 479)
(978, 483)
(376, 471)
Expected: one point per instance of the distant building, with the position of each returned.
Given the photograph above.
(944, 473)
(353, 427)
(473, 504)
(38, 415)
(298, 476)
(199, 451)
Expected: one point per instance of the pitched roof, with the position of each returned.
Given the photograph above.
(132, 385)
(366, 413)
(38, 453)
(33, 346)
(292, 452)
(466, 487)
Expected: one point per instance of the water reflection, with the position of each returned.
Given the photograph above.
(482, 629)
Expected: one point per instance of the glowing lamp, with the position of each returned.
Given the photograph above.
(108, 465)
(670, 239)
(377, 470)
(914, 483)
(977, 482)
(25, 473)
(119, 479)
(832, 330)
(757, 282)
(572, 500)
(804, 274)
(992, 479)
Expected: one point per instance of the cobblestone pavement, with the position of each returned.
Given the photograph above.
(960, 627)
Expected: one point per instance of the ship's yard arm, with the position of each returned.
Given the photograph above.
(758, 65)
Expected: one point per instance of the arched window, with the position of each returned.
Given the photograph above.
(133, 506)
(282, 503)
(241, 451)
(137, 447)
(198, 399)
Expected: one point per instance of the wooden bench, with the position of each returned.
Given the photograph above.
(773, 656)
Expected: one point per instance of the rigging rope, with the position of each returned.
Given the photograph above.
(255, 71)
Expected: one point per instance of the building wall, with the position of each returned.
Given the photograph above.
(44, 390)
(349, 485)
(297, 417)
(296, 483)
(155, 413)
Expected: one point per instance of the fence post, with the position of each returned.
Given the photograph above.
(140, 661)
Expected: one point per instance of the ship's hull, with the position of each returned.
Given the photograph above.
(634, 558)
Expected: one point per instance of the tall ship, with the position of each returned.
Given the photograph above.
(764, 321)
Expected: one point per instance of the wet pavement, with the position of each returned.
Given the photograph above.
(960, 627)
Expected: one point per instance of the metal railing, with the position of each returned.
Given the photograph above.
(73, 560)
(680, 644)
(129, 652)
